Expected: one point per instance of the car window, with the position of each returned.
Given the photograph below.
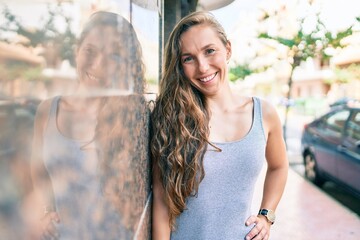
(353, 128)
(335, 123)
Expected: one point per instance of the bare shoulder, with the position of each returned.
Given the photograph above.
(42, 114)
(268, 109)
(44, 106)
(43, 111)
(270, 116)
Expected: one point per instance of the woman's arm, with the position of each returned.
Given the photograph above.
(277, 163)
(45, 204)
(277, 169)
(160, 215)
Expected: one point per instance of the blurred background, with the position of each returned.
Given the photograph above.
(301, 55)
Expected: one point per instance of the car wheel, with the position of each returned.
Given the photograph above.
(311, 172)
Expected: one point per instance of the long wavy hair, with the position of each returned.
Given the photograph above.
(180, 122)
(119, 132)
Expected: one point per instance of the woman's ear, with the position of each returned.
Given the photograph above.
(228, 50)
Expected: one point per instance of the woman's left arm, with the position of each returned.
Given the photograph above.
(277, 170)
(276, 157)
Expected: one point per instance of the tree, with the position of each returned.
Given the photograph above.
(303, 45)
(240, 72)
(46, 35)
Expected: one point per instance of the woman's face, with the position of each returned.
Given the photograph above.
(204, 58)
(100, 58)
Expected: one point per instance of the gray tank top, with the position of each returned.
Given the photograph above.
(73, 169)
(73, 172)
(223, 202)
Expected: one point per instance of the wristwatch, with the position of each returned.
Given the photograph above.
(269, 214)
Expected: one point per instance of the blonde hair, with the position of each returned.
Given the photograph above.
(180, 122)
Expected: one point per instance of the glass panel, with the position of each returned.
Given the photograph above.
(73, 116)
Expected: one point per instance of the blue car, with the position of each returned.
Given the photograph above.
(330, 148)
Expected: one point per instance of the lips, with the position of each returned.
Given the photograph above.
(208, 78)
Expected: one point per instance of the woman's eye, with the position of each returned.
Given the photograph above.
(89, 51)
(187, 59)
(210, 51)
(115, 57)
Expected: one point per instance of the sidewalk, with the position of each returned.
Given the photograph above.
(305, 213)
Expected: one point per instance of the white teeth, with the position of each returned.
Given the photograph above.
(92, 77)
(208, 78)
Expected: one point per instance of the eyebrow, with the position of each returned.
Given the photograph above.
(115, 46)
(203, 48)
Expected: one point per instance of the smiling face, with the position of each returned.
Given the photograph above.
(100, 58)
(204, 58)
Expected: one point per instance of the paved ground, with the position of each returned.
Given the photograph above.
(305, 213)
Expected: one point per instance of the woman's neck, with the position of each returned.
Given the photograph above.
(81, 104)
(222, 101)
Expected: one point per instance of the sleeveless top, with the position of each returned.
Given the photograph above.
(223, 202)
(73, 169)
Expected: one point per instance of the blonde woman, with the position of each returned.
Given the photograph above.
(209, 143)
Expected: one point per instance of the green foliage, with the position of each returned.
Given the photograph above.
(12, 70)
(315, 43)
(345, 75)
(239, 72)
(354, 69)
(33, 74)
(153, 81)
(307, 44)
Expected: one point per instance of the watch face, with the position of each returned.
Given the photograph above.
(271, 216)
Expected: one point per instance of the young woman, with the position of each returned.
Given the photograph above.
(77, 136)
(209, 143)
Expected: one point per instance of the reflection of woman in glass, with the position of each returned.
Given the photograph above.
(67, 162)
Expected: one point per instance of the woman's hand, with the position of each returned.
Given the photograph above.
(261, 230)
(48, 228)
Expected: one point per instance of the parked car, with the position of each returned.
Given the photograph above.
(331, 148)
(16, 121)
(16, 130)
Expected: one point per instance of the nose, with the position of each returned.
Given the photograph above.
(203, 65)
(99, 65)
(99, 62)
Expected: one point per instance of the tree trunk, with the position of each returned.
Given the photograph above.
(296, 63)
(287, 107)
